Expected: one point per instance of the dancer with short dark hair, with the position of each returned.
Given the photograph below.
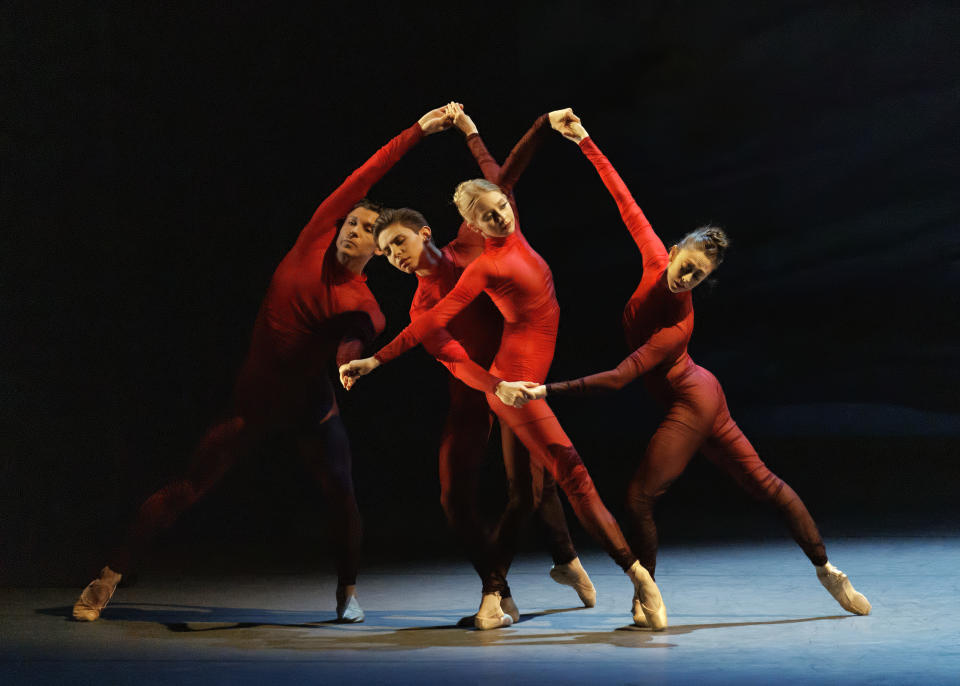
(658, 322)
(317, 310)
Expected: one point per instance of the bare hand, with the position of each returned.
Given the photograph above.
(461, 119)
(537, 391)
(353, 370)
(515, 393)
(568, 124)
(435, 121)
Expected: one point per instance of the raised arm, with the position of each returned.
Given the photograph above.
(488, 165)
(468, 244)
(569, 125)
(322, 225)
(651, 247)
(518, 159)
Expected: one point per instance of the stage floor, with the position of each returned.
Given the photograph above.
(739, 613)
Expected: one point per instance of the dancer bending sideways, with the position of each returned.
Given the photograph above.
(520, 284)
(658, 321)
(317, 309)
(406, 240)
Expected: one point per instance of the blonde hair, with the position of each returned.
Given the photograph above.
(466, 194)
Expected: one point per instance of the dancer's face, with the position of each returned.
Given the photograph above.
(688, 267)
(356, 234)
(492, 215)
(403, 246)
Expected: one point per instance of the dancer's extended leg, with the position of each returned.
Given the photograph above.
(219, 450)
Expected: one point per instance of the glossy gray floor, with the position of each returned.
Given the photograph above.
(739, 613)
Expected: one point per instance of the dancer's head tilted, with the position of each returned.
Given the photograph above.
(695, 257)
(355, 240)
(403, 236)
(485, 207)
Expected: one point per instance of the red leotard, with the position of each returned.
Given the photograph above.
(520, 284)
(314, 309)
(474, 334)
(658, 325)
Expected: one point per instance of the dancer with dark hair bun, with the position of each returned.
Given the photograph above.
(408, 243)
(317, 309)
(520, 284)
(658, 322)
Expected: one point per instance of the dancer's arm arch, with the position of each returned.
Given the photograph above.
(323, 224)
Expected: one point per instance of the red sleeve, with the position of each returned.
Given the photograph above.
(488, 166)
(665, 344)
(322, 225)
(471, 284)
(518, 159)
(651, 247)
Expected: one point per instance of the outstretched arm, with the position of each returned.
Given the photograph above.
(322, 225)
(432, 323)
(454, 357)
(666, 344)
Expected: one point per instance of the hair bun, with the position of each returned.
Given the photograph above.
(712, 240)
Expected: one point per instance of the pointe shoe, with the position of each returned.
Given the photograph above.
(490, 616)
(573, 574)
(839, 586)
(508, 606)
(348, 607)
(648, 597)
(96, 596)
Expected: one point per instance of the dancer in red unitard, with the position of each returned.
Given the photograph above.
(658, 322)
(520, 284)
(406, 239)
(317, 309)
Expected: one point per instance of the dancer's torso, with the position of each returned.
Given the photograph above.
(521, 286)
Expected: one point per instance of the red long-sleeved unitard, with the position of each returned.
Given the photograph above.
(520, 284)
(474, 335)
(315, 310)
(658, 326)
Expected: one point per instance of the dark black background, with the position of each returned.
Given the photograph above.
(158, 162)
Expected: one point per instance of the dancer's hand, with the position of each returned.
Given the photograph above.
(568, 124)
(353, 370)
(435, 121)
(514, 393)
(537, 391)
(461, 119)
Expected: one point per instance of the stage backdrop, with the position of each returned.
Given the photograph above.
(159, 162)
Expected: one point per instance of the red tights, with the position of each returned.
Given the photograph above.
(530, 490)
(698, 419)
(322, 446)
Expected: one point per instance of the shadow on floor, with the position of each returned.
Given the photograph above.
(258, 629)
